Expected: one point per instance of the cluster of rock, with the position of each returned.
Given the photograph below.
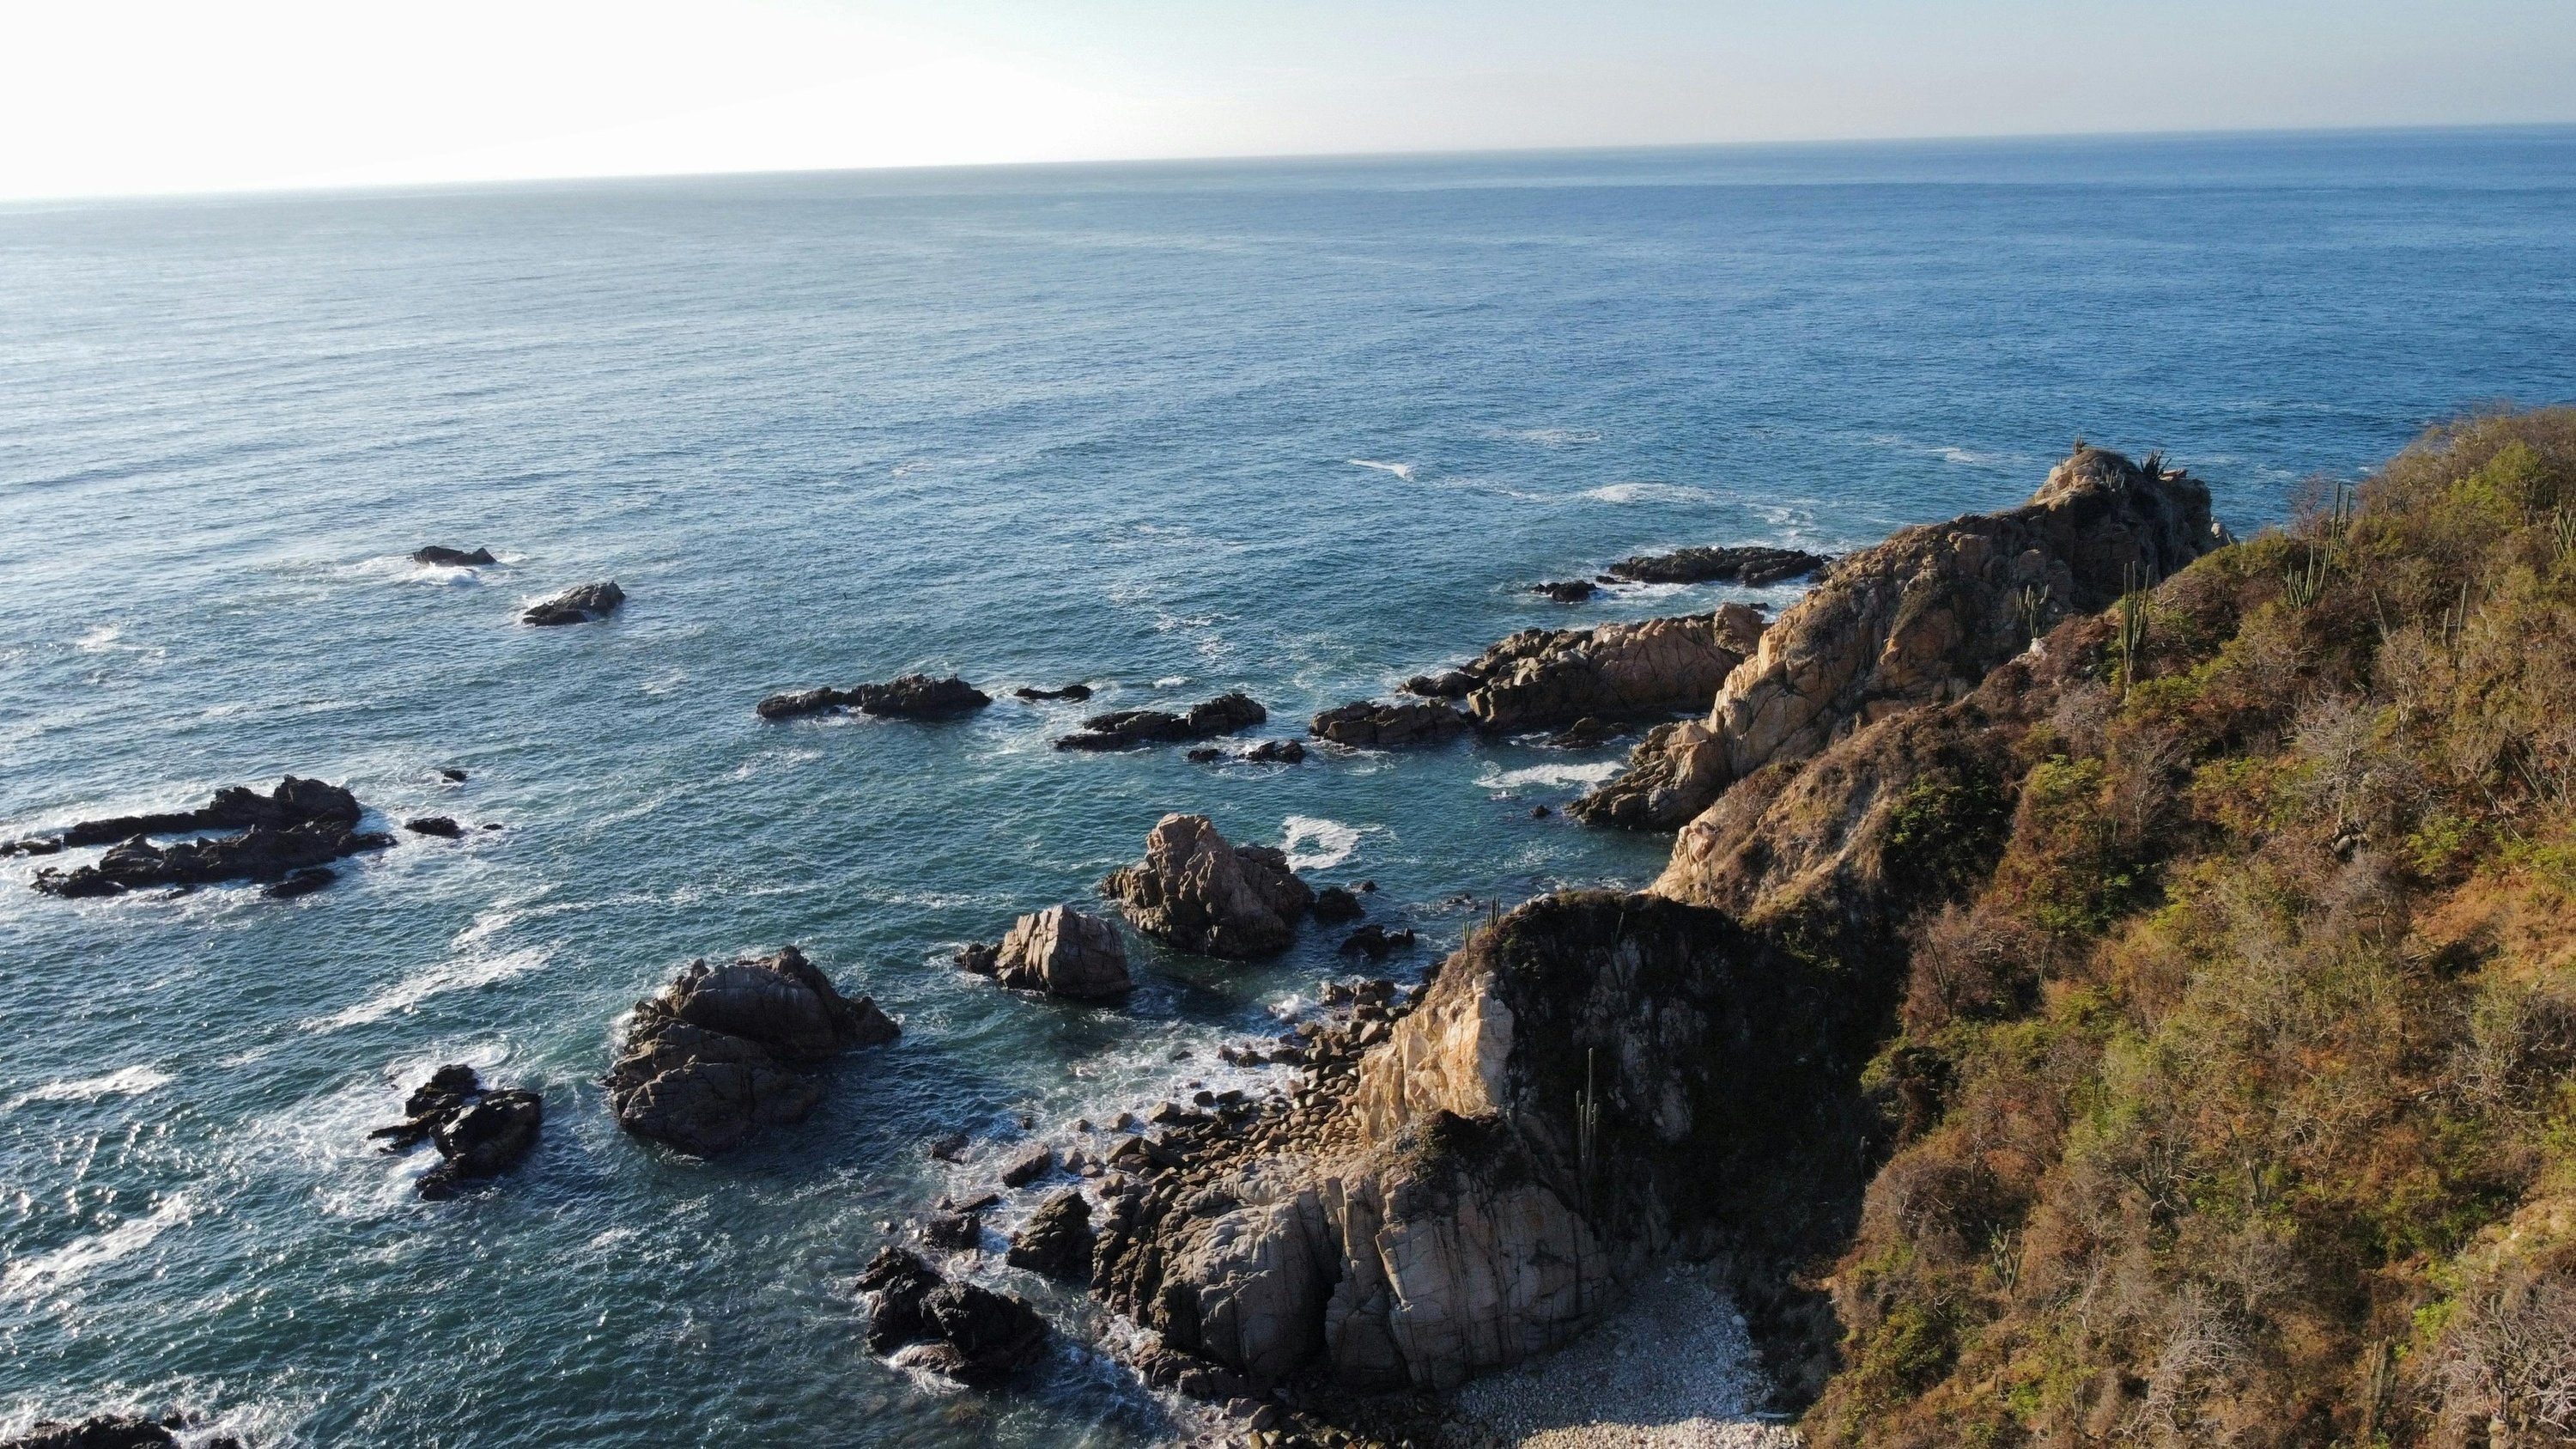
(1552, 678)
(287, 838)
(1195, 891)
(479, 1133)
(913, 696)
(1058, 952)
(1917, 620)
(112, 1431)
(1128, 729)
(581, 604)
(967, 1333)
(1753, 566)
(721, 1052)
(454, 558)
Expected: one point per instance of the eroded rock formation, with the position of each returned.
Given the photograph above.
(1058, 951)
(1917, 620)
(721, 1051)
(911, 696)
(1196, 892)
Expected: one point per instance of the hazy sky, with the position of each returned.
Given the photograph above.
(103, 97)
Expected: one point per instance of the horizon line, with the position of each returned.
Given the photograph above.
(291, 191)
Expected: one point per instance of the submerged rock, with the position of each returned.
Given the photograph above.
(582, 604)
(1198, 893)
(479, 1133)
(717, 1054)
(1916, 620)
(1753, 566)
(912, 696)
(453, 557)
(970, 1334)
(1127, 729)
(1567, 591)
(1059, 951)
(300, 825)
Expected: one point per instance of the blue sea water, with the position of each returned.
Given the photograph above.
(1301, 428)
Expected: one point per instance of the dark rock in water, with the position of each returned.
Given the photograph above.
(1447, 684)
(452, 775)
(913, 696)
(1567, 591)
(1127, 729)
(1376, 942)
(1367, 725)
(1059, 951)
(1540, 812)
(1057, 1240)
(299, 825)
(1277, 752)
(1586, 733)
(973, 1335)
(1201, 894)
(716, 1055)
(1028, 1167)
(32, 846)
(951, 1148)
(953, 1232)
(1189, 1375)
(435, 825)
(453, 557)
(104, 1431)
(1753, 566)
(1334, 905)
(1075, 692)
(478, 1133)
(580, 605)
(301, 882)
(1206, 755)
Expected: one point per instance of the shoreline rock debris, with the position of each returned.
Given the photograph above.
(972, 1335)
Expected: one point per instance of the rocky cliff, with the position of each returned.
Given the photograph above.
(1918, 620)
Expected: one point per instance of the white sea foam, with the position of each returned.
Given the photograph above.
(1401, 470)
(1316, 844)
(1649, 493)
(1171, 681)
(123, 1082)
(439, 980)
(99, 639)
(43, 1273)
(1551, 775)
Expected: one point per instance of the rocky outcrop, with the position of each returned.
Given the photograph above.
(1753, 566)
(1461, 1185)
(454, 558)
(1551, 678)
(299, 826)
(582, 604)
(478, 1133)
(1128, 729)
(1200, 894)
(970, 1334)
(1058, 951)
(1368, 725)
(1073, 692)
(719, 1053)
(443, 826)
(1566, 591)
(1056, 1241)
(1917, 620)
(111, 1431)
(912, 696)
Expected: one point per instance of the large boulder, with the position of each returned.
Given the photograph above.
(1196, 892)
(1917, 620)
(1059, 951)
(970, 1334)
(455, 558)
(1057, 1239)
(581, 604)
(717, 1054)
(912, 696)
(1127, 729)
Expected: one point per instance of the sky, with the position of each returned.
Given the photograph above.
(129, 97)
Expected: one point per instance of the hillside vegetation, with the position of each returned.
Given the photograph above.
(2233, 1067)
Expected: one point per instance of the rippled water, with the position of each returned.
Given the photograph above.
(1298, 428)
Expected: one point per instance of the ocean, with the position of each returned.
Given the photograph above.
(1302, 428)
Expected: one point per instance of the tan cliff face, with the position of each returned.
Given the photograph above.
(1917, 620)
